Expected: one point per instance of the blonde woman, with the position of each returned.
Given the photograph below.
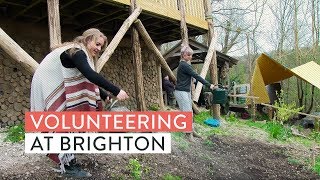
(66, 80)
(183, 87)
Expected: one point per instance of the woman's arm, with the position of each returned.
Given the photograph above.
(80, 61)
(192, 73)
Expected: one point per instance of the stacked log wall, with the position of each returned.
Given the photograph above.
(15, 81)
(119, 69)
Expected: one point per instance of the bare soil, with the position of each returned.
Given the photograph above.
(243, 153)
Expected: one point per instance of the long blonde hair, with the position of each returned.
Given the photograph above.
(91, 34)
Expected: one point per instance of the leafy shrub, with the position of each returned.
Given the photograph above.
(285, 111)
(15, 133)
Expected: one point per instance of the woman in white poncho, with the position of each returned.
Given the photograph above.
(66, 81)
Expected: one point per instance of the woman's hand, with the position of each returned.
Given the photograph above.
(122, 95)
(107, 100)
(212, 86)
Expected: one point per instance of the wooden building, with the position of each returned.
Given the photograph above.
(30, 27)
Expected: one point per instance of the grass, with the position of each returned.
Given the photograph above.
(201, 117)
(203, 129)
(316, 136)
(316, 167)
(208, 143)
(274, 129)
(179, 137)
(257, 124)
(278, 131)
(15, 133)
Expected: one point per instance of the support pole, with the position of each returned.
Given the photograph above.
(54, 23)
(150, 44)
(185, 42)
(161, 103)
(17, 53)
(213, 65)
(137, 64)
(117, 38)
(205, 68)
(183, 24)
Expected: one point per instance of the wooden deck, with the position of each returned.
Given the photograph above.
(169, 8)
(161, 18)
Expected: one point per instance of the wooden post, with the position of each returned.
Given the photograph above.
(161, 103)
(185, 42)
(183, 24)
(54, 23)
(205, 68)
(150, 44)
(137, 64)
(117, 38)
(17, 53)
(213, 65)
(160, 90)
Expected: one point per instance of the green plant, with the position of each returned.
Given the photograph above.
(315, 135)
(171, 177)
(135, 169)
(285, 111)
(154, 107)
(147, 170)
(15, 133)
(316, 167)
(232, 118)
(278, 131)
(201, 117)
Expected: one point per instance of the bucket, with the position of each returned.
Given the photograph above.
(219, 96)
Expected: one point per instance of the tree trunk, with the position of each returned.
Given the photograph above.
(297, 53)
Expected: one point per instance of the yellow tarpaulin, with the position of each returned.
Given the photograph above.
(268, 71)
(309, 72)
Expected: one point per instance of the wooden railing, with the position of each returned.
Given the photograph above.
(169, 8)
